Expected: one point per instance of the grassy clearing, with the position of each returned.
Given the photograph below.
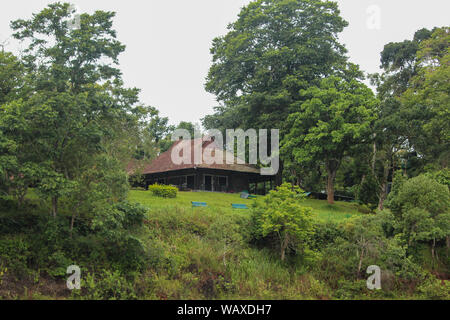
(222, 202)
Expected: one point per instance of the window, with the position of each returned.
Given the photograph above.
(222, 181)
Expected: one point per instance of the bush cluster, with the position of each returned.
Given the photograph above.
(164, 191)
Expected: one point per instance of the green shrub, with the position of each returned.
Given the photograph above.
(434, 289)
(350, 290)
(421, 207)
(13, 222)
(281, 216)
(325, 233)
(367, 192)
(397, 183)
(14, 255)
(134, 214)
(178, 219)
(163, 191)
(359, 245)
(105, 286)
(395, 258)
(57, 264)
(421, 192)
(441, 176)
(366, 209)
(7, 204)
(111, 225)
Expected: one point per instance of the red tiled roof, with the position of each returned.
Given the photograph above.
(164, 162)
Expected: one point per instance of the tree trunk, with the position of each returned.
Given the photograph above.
(330, 186)
(383, 196)
(7, 181)
(374, 158)
(54, 206)
(72, 222)
(433, 250)
(361, 257)
(284, 247)
(384, 184)
(448, 243)
(279, 176)
(21, 199)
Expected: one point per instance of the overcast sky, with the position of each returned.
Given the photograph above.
(168, 41)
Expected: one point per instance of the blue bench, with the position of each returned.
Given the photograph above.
(239, 206)
(198, 204)
(245, 195)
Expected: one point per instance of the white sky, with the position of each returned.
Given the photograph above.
(168, 41)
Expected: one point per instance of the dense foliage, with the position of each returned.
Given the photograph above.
(281, 215)
(163, 191)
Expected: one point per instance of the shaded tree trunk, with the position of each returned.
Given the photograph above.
(72, 222)
(54, 206)
(74, 216)
(433, 250)
(447, 238)
(374, 158)
(279, 176)
(284, 246)
(434, 253)
(361, 258)
(330, 185)
(384, 184)
(21, 199)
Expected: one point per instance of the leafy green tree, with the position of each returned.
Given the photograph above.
(77, 107)
(274, 50)
(362, 241)
(228, 234)
(280, 213)
(426, 101)
(190, 127)
(441, 176)
(11, 77)
(392, 128)
(11, 84)
(398, 60)
(367, 192)
(101, 184)
(365, 234)
(421, 206)
(334, 120)
(155, 134)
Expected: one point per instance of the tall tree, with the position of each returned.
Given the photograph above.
(77, 104)
(393, 127)
(11, 85)
(275, 49)
(426, 101)
(333, 122)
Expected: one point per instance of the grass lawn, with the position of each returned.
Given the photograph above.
(323, 211)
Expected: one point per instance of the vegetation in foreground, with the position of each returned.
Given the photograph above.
(164, 249)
